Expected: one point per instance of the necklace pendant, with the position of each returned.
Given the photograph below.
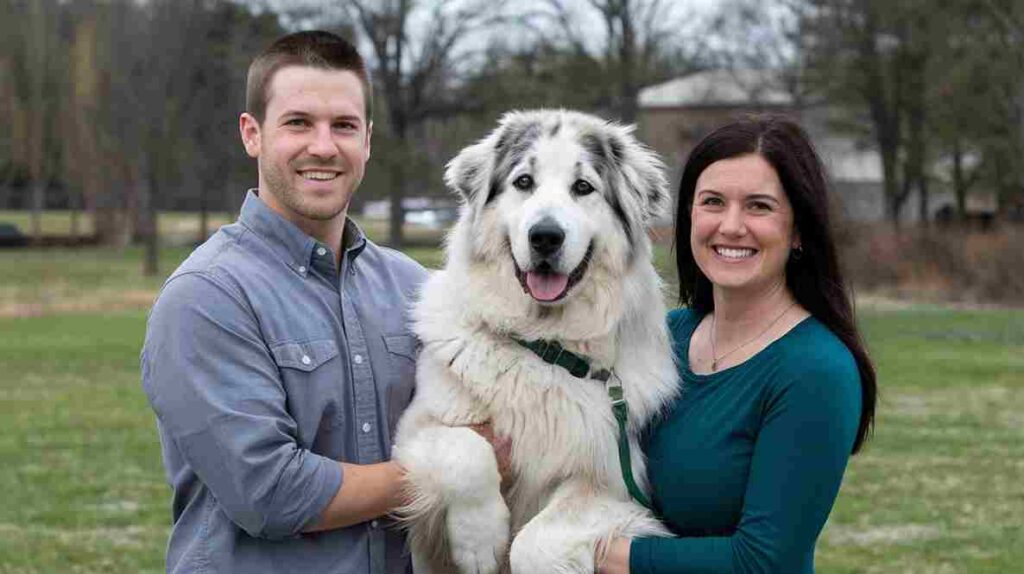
(714, 365)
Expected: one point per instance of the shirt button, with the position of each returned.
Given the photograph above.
(366, 427)
(306, 360)
(302, 269)
(321, 251)
(358, 359)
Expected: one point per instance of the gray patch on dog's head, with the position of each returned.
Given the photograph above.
(488, 163)
(633, 175)
(516, 139)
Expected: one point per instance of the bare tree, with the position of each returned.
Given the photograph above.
(636, 34)
(41, 105)
(1008, 17)
(414, 71)
(874, 58)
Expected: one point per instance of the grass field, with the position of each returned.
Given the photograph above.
(938, 490)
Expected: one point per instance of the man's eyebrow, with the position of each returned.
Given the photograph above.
(349, 117)
(302, 114)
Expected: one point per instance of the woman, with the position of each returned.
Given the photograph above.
(778, 389)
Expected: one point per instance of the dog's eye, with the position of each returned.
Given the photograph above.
(582, 188)
(523, 182)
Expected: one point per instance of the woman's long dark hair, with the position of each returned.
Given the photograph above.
(814, 278)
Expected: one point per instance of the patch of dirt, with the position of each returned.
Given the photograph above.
(103, 301)
(890, 534)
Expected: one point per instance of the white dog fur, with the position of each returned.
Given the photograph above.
(568, 492)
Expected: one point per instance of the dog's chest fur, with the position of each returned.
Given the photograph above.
(561, 426)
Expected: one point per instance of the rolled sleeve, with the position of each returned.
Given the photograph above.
(217, 392)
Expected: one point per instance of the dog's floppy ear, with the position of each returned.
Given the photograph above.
(469, 172)
(643, 173)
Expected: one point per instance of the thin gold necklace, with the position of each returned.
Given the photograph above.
(715, 358)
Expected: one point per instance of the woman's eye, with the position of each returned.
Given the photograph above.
(582, 187)
(523, 182)
(711, 201)
(760, 206)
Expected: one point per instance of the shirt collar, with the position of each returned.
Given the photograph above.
(287, 240)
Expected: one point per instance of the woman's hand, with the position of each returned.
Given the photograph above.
(616, 557)
(502, 452)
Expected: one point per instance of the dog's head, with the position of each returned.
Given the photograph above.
(558, 193)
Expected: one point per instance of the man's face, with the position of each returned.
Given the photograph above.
(313, 144)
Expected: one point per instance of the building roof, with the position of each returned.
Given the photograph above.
(717, 88)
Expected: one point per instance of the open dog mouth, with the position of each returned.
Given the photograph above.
(545, 284)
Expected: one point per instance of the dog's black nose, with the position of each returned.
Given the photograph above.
(546, 237)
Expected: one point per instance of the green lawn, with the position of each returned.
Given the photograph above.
(938, 489)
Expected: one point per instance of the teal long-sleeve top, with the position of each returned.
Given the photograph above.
(747, 464)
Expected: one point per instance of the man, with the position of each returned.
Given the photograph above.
(278, 357)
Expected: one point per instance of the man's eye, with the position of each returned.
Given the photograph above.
(523, 182)
(582, 187)
(295, 122)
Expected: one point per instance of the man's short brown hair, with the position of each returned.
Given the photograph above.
(315, 49)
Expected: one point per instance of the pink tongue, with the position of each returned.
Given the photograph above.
(546, 286)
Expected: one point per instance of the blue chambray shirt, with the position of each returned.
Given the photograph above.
(265, 365)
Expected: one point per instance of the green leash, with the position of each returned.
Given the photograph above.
(553, 353)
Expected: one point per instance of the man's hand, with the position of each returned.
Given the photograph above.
(502, 452)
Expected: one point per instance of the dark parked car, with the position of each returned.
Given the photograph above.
(11, 236)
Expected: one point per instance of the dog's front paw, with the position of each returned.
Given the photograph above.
(478, 536)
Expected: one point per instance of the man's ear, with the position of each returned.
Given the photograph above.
(249, 129)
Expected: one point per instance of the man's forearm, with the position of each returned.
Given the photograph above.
(367, 492)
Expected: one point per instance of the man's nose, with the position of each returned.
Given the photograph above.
(322, 144)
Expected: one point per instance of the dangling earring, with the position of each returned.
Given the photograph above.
(796, 253)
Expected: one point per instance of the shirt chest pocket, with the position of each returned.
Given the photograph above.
(400, 379)
(311, 375)
(305, 357)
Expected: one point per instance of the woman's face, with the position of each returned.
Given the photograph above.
(742, 225)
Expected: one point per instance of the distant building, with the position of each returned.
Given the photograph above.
(675, 115)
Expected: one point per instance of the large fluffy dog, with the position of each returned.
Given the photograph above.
(551, 244)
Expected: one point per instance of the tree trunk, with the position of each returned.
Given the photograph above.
(959, 183)
(396, 194)
(75, 206)
(147, 223)
(924, 211)
(37, 115)
(37, 205)
(627, 66)
(204, 221)
(891, 185)
(396, 219)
